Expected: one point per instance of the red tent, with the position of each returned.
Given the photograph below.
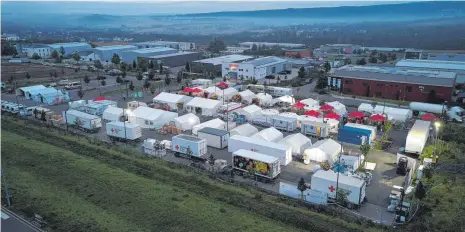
(312, 113)
(196, 90)
(223, 85)
(377, 117)
(299, 105)
(100, 99)
(187, 90)
(332, 115)
(356, 114)
(428, 117)
(326, 107)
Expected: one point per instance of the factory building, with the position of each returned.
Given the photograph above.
(105, 53)
(249, 45)
(175, 59)
(181, 46)
(438, 65)
(258, 68)
(70, 48)
(214, 65)
(43, 50)
(131, 55)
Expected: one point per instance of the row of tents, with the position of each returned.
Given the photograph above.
(42, 94)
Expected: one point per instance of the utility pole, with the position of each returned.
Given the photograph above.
(124, 125)
(7, 194)
(337, 180)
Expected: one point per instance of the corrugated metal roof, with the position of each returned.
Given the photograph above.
(265, 61)
(68, 45)
(32, 88)
(432, 64)
(150, 50)
(224, 59)
(213, 131)
(115, 47)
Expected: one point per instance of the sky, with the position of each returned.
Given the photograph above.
(128, 7)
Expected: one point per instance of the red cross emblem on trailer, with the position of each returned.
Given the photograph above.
(331, 188)
(177, 147)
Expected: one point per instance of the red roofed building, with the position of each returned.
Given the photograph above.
(303, 53)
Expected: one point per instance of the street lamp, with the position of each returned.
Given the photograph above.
(437, 125)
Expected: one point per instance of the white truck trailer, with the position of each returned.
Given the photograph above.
(280, 151)
(327, 182)
(417, 137)
(215, 137)
(452, 113)
(123, 131)
(284, 123)
(83, 121)
(260, 164)
(189, 146)
(315, 129)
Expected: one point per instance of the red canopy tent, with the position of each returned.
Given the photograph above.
(187, 90)
(100, 98)
(298, 105)
(326, 107)
(377, 117)
(356, 114)
(312, 113)
(428, 117)
(332, 115)
(222, 85)
(196, 90)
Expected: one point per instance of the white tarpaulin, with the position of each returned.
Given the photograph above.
(247, 96)
(113, 114)
(250, 111)
(298, 142)
(365, 107)
(269, 134)
(284, 99)
(323, 150)
(244, 130)
(187, 121)
(228, 93)
(203, 106)
(339, 108)
(150, 118)
(311, 103)
(171, 99)
(214, 123)
(264, 99)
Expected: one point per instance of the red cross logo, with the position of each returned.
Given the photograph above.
(177, 147)
(331, 188)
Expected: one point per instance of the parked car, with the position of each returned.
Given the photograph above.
(73, 85)
(101, 78)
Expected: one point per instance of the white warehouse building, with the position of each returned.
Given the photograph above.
(266, 44)
(42, 50)
(258, 68)
(182, 46)
(131, 55)
(105, 53)
(70, 48)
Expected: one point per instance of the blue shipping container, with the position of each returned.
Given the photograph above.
(353, 135)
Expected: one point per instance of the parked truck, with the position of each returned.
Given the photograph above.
(259, 164)
(315, 129)
(215, 137)
(284, 123)
(281, 151)
(83, 121)
(454, 114)
(123, 131)
(189, 146)
(417, 137)
(328, 181)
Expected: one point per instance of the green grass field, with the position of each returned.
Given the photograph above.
(79, 186)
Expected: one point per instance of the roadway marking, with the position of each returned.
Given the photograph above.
(5, 216)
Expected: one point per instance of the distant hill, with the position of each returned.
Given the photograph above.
(433, 9)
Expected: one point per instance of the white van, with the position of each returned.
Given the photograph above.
(73, 85)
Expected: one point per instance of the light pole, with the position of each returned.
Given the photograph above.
(7, 194)
(437, 125)
(339, 165)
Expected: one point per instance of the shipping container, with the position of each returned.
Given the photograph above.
(188, 145)
(260, 164)
(123, 131)
(81, 120)
(284, 123)
(356, 136)
(215, 137)
(417, 137)
(373, 129)
(281, 151)
(316, 129)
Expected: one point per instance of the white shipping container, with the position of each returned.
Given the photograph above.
(325, 181)
(117, 129)
(309, 195)
(215, 137)
(284, 123)
(417, 137)
(82, 120)
(180, 143)
(281, 151)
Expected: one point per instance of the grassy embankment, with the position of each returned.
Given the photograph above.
(79, 186)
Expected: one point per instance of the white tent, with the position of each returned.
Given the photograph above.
(264, 99)
(187, 121)
(250, 111)
(206, 107)
(298, 142)
(398, 114)
(150, 118)
(323, 150)
(365, 107)
(291, 115)
(113, 114)
(339, 108)
(269, 134)
(228, 93)
(264, 117)
(214, 123)
(247, 96)
(201, 82)
(311, 103)
(244, 130)
(171, 99)
(284, 99)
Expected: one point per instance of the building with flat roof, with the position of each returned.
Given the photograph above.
(70, 48)
(214, 65)
(130, 56)
(394, 83)
(446, 57)
(266, 44)
(175, 59)
(298, 52)
(43, 50)
(105, 53)
(182, 46)
(438, 65)
(258, 68)
(10, 37)
(234, 50)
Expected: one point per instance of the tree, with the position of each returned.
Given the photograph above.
(365, 150)
(254, 47)
(131, 86)
(134, 65)
(103, 82)
(124, 74)
(301, 72)
(152, 89)
(151, 75)
(115, 59)
(161, 68)
(62, 51)
(80, 93)
(42, 116)
(35, 112)
(211, 160)
(327, 66)
(383, 57)
(216, 46)
(278, 79)
(146, 84)
(55, 54)
(301, 186)
(167, 75)
(86, 79)
(361, 62)
(188, 67)
(98, 64)
(428, 172)
(93, 45)
(373, 60)
(76, 57)
(36, 56)
(167, 80)
(191, 47)
(253, 81)
(298, 56)
(139, 76)
(76, 70)
(8, 49)
(151, 64)
(420, 191)
(119, 80)
(10, 79)
(123, 66)
(285, 77)
(28, 76)
(179, 77)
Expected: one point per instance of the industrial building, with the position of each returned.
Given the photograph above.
(258, 68)
(175, 59)
(446, 57)
(335, 49)
(105, 53)
(182, 46)
(438, 65)
(235, 50)
(130, 56)
(214, 65)
(10, 37)
(299, 53)
(42, 50)
(70, 48)
(394, 83)
(268, 45)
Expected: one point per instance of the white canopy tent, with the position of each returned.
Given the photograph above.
(247, 96)
(339, 108)
(187, 121)
(150, 118)
(171, 99)
(365, 107)
(113, 114)
(250, 111)
(228, 93)
(284, 99)
(270, 134)
(264, 99)
(206, 107)
(214, 123)
(244, 130)
(311, 103)
(298, 142)
(323, 150)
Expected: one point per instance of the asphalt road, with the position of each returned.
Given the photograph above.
(14, 223)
